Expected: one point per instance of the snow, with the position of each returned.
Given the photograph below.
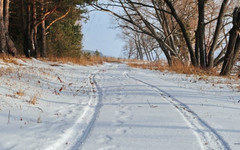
(53, 106)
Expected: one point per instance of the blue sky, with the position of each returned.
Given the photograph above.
(100, 34)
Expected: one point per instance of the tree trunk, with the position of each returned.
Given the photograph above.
(27, 39)
(201, 33)
(229, 56)
(197, 52)
(6, 14)
(233, 45)
(236, 51)
(34, 29)
(22, 16)
(216, 34)
(157, 55)
(6, 44)
(10, 45)
(3, 45)
(169, 58)
(138, 46)
(30, 41)
(166, 53)
(43, 41)
(144, 47)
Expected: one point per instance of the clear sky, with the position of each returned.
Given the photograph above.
(100, 34)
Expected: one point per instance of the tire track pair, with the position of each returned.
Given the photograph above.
(208, 138)
(97, 108)
(74, 137)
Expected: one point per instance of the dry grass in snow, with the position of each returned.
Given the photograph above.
(177, 67)
(199, 74)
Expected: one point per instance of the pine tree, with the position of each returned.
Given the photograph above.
(36, 24)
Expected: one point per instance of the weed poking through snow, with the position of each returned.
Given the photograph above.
(33, 100)
(20, 92)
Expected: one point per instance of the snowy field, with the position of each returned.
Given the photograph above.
(50, 106)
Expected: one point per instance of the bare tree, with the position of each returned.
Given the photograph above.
(176, 30)
(140, 46)
(143, 21)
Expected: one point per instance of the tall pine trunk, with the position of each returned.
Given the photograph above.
(6, 44)
(34, 30)
(10, 45)
(23, 23)
(30, 41)
(27, 39)
(43, 41)
(3, 43)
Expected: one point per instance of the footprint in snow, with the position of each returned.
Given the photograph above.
(121, 131)
(104, 139)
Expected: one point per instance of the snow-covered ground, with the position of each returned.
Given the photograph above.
(53, 106)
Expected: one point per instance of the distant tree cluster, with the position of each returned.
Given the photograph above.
(41, 27)
(199, 32)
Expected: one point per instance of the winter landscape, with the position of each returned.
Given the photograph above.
(55, 106)
(119, 75)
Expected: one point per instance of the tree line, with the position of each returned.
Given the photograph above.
(202, 33)
(39, 28)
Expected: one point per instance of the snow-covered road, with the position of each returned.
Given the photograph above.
(137, 114)
(114, 107)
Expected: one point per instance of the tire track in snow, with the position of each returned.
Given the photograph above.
(208, 138)
(87, 131)
(74, 137)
